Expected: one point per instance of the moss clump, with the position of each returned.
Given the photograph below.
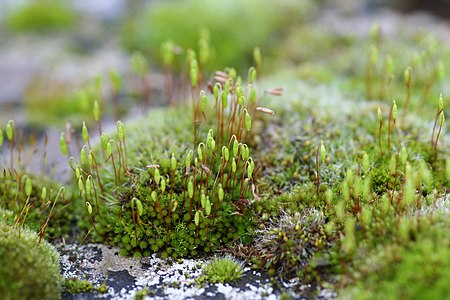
(30, 270)
(76, 286)
(286, 247)
(41, 16)
(393, 272)
(47, 200)
(222, 270)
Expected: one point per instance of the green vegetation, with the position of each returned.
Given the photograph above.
(77, 286)
(37, 202)
(220, 27)
(222, 270)
(40, 16)
(344, 185)
(157, 199)
(30, 267)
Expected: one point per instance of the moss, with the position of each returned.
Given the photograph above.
(41, 16)
(222, 270)
(288, 245)
(30, 269)
(232, 46)
(63, 216)
(76, 286)
(388, 272)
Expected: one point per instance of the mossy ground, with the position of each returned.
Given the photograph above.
(367, 217)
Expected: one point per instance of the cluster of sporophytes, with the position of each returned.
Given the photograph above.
(219, 25)
(383, 205)
(30, 267)
(174, 203)
(422, 76)
(36, 201)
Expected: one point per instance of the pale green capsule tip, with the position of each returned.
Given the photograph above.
(190, 189)
(394, 110)
(323, 152)
(197, 218)
(43, 193)
(28, 186)
(441, 103)
(380, 114)
(1, 136)
(173, 162)
(120, 130)
(225, 153)
(407, 75)
(208, 207)
(62, 144)
(85, 133)
(89, 207)
(10, 130)
(248, 121)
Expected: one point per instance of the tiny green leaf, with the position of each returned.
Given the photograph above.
(1, 136)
